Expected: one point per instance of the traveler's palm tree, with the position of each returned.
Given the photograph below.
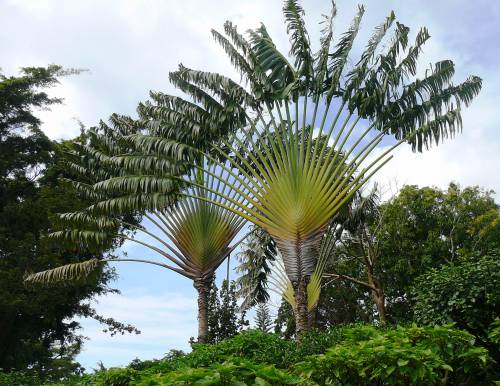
(193, 237)
(294, 187)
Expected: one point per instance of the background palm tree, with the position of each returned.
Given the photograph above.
(193, 236)
(354, 240)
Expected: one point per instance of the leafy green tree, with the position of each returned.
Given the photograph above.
(224, 317)
(465, 293)
(36, 328)
(352, 244)
(284, 323)
(424, 228)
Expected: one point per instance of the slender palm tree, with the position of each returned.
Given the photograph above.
(193, 237)
(355, 240)
(295, 186)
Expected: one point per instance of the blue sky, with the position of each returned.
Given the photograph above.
(130, 45)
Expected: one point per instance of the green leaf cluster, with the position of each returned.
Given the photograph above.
(401, 356)
(465, 294)
(352, 355)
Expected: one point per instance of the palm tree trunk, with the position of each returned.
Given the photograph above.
(203, 288)
(301, 313)
(300, 258)
(312, 318)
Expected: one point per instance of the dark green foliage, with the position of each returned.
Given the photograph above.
(494, 333)
(36, 331)
(255, 346)
(115, 377)
(466, 294)
(284, 324)
(232, 372)
(402, 356)
(263, 320)
(424, 228)
(354, 355)
(252, 345)
(17, 378)
(224, 318)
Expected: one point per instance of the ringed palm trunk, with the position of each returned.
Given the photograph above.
(202, 285)
(301, 313)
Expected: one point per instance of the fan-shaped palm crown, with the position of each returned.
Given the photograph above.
(295, 185)
(194, 236)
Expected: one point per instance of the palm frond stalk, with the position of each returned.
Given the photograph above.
(194, 235)
(324, 121)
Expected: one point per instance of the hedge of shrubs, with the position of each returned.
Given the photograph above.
(353, 355)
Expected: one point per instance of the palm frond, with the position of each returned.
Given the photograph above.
(69, 272)
(300, 47)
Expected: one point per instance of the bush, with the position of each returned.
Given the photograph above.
(465, 294)
(253, 345)
(233, 372)
(401, 356)
(350, 355)
(115, 377)
(19, 378)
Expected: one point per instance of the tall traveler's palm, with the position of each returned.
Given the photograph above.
(294, 186)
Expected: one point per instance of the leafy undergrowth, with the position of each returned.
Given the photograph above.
(356, 355)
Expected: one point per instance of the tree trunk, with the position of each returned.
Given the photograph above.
(7, 319)
(301, 313)
(299, 259)
(378, 296)
(312, 316)
(379, 299)
(203, 288)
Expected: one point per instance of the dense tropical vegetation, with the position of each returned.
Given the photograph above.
(275, 165)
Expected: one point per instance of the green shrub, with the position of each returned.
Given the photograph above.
(253, 345)
(466, 294)
(401, 356)
(494, 333)
(237, 372)
(351, 355)
(115, 377)
(19, 378)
